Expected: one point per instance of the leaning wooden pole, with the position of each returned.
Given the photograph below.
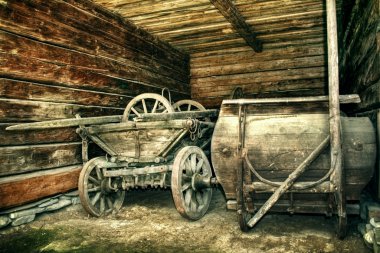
(335, 131)
(287, 184)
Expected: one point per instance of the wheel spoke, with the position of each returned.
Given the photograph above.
(94, 180)
(198, 196)
(155, 106)
(189, 107)
(193, 162)
(179, 108)
(96, 198)
(193, 203)
(98, 172)
(185, 186)
(136, 112)
(189, 172)
(109, 203)
(199, 165)
(144, 105)
(102, 204)
(94, 189)
(188, 194)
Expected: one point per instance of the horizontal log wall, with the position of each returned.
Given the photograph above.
(64, 57)
(360, 56)
(293, 61)
(293, 32)
(360, 66)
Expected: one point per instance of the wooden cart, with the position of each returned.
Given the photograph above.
(273, 154)
(153, 144)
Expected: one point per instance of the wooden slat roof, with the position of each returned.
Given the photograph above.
(198, 26)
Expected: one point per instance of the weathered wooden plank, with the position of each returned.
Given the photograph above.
(112, 17)
(232, 14)
(276, 149)
(344, 99)
(150, 142)
(337, 156)
(66, 123)
(216, 101)
(352, 175)
(288, 183)
(14, 110)
(227, 42)
(361, 51)
(21, 189)
(30, 48)
(14, 138)
(133, 82)
(266, 76)
(272, 17)
(267, 65)
(21, 159)
(15, 89)
(77, 29)
(314, 109)
(300, 42)
(242, 55)
(177, 115)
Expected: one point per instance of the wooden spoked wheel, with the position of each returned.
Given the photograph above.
(146, 103)
(187, 105)
(96, 196)
(190, 164)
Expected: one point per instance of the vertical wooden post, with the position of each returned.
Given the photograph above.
(335, 131)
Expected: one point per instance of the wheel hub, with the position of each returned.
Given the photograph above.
(104, 187)
(199, 182)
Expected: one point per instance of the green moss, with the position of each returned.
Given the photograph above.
(68, 239)
(31, 240)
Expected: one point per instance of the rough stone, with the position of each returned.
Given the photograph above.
(60, 204)
(373, 211)
(48, 203)
(72, 193)
(27, 212)
(24, 219)
(24, 207)
(64, 197)
(4, 221)
(75, 200)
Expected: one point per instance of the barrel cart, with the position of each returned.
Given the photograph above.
(153, 144)
(276, 154)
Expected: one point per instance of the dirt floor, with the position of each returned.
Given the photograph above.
(149, 222)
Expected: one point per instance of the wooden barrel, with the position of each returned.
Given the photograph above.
(278, 142)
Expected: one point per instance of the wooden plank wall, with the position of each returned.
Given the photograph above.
(360, 66)
(293, 61)
(360, 56)
(63, 57)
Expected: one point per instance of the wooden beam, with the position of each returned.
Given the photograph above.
(288, 183)
(344, 99)
(232, 14)
(21, 189)
(66, 123)
(337, 176)
(28, 158)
